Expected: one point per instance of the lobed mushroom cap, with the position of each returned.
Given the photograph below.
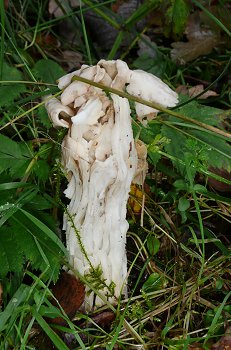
(150, 88)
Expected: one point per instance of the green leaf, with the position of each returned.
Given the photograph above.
(14, 156)
(218, 150)
(217, 317)
(56, 340)
(46, 231)
(9, 315)
(206, 114)
(200, 188)
(10, 91)
(27, 238)
(153, 245)
(181, 185)
(47, 70)
(11, 255)
(13, 185)
(154, 282)
(42, 170)
(176, 17)
(200, 148)
(176, 147)
(42, 116)
(183, 204)
(41, 251)
(156, 65)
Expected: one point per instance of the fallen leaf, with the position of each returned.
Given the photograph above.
(56, 10)
(195, 90)
(72, 59)
(225, 342)
(104, 319)
(218, 185)
(201, 41)
(182, 89)
(47, 40)
(185, 52)
(70, 293)
(195, 346)
(147, 47)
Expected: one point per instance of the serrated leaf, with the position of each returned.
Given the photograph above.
(44, 252)
(42, 170)
(176, 147)
(11, 256)
(10, 91)
(176, 17)
(43, 117)
(219, 151)
(203, 148)
(14, 156)
(47, 233)
(47, 70)
(206, 114)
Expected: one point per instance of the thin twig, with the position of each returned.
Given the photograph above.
(153, 105)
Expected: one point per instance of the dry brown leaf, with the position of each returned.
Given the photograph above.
(55, 10)
(194, 91)
(104, 319)
(201, 41)
(218, 185)
(225, 342)
(70, 293)
(185, 52)
(195, 346)
(193, 29)
(72, 59)
(182, 89)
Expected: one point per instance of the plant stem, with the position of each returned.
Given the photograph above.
(152, 105)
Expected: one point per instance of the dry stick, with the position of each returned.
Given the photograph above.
(152, 105)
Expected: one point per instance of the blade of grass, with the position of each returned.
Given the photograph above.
(2, 12)
(57, 341)
(85, 36)
(102, 14)
(214, 18)
(216, 317)
(116, 45)
(30, 110)
(45, 229)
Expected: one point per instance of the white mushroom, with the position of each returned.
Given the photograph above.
(58, 112)
(150, 88)
(100, 157)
